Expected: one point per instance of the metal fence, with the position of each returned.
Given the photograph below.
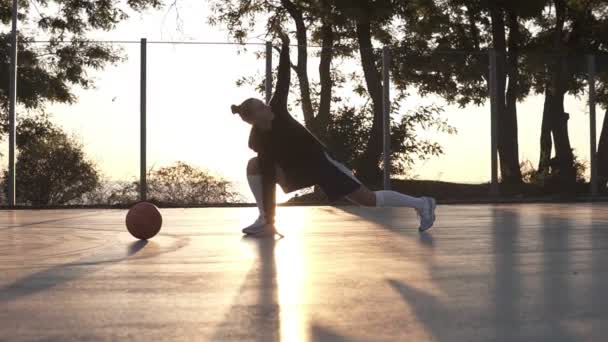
(587, 64)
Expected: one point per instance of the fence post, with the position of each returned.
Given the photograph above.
(592, 124)
(12, 117)
(493, 87)
(386, 107)
(143, 183)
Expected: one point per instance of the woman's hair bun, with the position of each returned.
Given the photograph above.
(235, 109)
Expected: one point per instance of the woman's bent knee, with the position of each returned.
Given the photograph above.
(253, 167)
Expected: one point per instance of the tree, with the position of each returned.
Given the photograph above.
(540, 45)
(370, 20)
(568, 30)
(507, 67)
(443, 49)
(599, 44)
(555, 120)
(311, 18)
(351, 127)
(47, 72)
(333, 25)
(52, 168)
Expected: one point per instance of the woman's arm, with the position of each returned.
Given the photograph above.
(283, 78)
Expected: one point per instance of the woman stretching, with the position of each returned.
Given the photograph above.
(288, 154)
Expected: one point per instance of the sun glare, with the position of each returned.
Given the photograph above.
(292, 276)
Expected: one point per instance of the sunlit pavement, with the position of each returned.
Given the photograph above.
(533, 272)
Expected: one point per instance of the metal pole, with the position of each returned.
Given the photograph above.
(494, 191)
(592, 124)
(386, 118)
(143, 183)
(12, 126)
(268, 84)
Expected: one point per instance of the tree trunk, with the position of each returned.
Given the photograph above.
(561, 138)
(554, 117)
(550, 91)
(563, 165)
(602, 153)
(507, 119)
(563, 150)
(367, 167)
(510, 117)
(302, 66)
(322, 118)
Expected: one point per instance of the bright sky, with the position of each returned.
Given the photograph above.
(191, 87)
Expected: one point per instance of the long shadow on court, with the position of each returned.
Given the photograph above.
(323, 334)
(37, 223)
(56, 275)
(509, 310)
(598, 299)
(392, 219)
(530, 291)
(258, 320)
(490, 313)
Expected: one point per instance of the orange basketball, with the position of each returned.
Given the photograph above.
(144, 220)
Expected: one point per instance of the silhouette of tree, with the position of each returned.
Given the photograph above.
(52, 168)
(47, 72)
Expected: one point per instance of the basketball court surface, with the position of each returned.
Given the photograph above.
(521, 272)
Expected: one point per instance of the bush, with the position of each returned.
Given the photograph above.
(182, 183)
(177, 184)
(550, 178)
(51, 166)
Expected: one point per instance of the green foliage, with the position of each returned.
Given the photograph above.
(241, 18)
(52, 168)
(176, 184)
(348, 128)
(349, 131)
(47, 72)
(550, 177)
(182, 183)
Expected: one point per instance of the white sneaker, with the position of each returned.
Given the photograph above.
(260, 230)
(427, 214)
(260, 221)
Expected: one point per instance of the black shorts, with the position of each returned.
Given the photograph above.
(337, 180)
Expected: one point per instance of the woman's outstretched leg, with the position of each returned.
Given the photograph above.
(424, 206)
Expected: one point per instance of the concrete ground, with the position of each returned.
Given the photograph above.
(533, 272)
